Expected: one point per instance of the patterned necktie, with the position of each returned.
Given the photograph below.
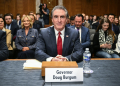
(59, 44)
(78, 29)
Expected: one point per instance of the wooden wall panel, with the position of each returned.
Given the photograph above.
(92, 7)
(113, 6)
(17, 6)
(32, 5)
(2, 6)
(10, 6)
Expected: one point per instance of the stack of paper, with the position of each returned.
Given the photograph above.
(32, 64)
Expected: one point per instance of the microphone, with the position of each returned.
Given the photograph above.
(72, 50)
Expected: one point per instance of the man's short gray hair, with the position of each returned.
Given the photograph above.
(60, 7)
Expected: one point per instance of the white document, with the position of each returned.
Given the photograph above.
(32, 64)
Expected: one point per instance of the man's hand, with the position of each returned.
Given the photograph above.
(44, 11)
(61, 57)
(56, 59)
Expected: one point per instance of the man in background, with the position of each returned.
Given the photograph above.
(36, 24)
(114, 27)
(11, 25)
(39, 18)
(84, 34)
(71, 21)
(45, 11)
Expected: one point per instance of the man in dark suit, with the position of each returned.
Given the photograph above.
(11, 25)
(114, 27)
(84, 32)
(59, 43)
(3, 47)
(90, 20)
(72, 22)
(36, 24)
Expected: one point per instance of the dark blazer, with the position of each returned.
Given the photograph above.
(85, 36)
(37, 25)
(67, 25)
(20, 22)
(47, 47)
(95, 25)
(4, 53)
(14, 28)
(116, 29)
(96, 44)
(90, 21)
(26, 41)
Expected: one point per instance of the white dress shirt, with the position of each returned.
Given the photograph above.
(8, 26)
(79, 33)
(18, 22)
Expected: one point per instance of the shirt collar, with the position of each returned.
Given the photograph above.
(76, 28)
(62, 32)
(8, 25)
(3, 29)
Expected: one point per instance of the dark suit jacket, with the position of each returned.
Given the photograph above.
(26, 41)
(47, 47)
(67, 25)
(95, 25)
(116, 29)
(14, 28)
(4, 53)
(37, 25)
(20, 22)
(85, 36)
(90, 21)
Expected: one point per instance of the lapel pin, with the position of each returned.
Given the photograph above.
(67, 36)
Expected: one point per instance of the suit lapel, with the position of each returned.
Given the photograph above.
(52, 39)
(11, 26)
(66, 41)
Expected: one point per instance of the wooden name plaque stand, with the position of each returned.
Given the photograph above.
(54, 64)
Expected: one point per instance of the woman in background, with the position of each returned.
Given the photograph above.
(104, 41)
(26, 39)
(18, 20)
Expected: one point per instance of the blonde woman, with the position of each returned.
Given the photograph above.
(8, 36)
(26, 39)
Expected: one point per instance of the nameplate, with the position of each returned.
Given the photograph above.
(63, 74)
